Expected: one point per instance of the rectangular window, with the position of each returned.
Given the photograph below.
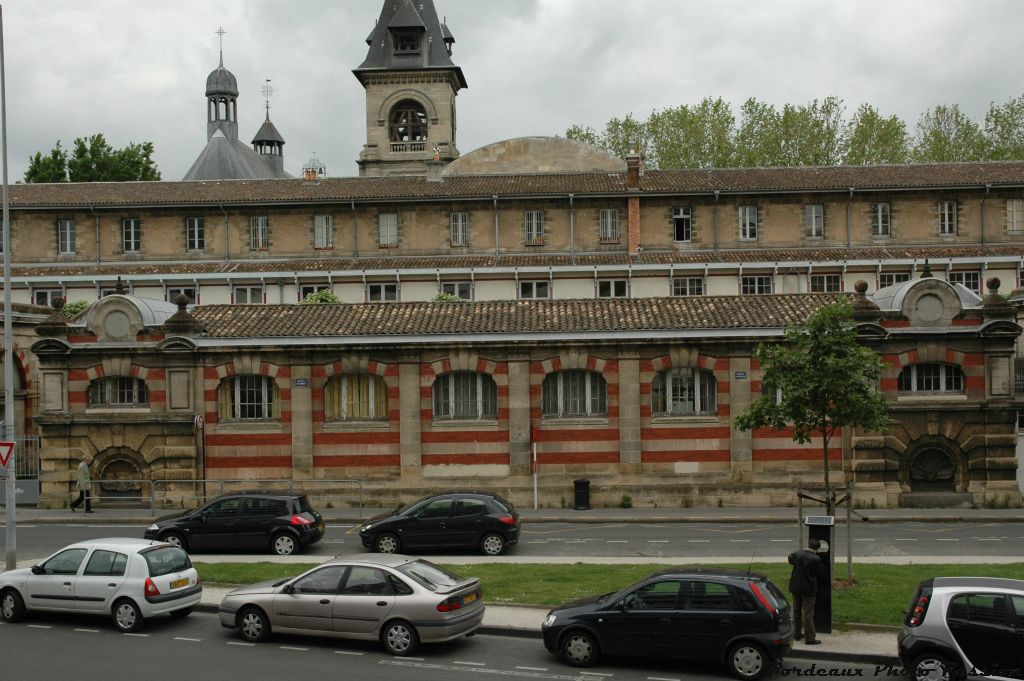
(188, 291)
(814, 220)
(131, 235)
(682, 223)
(323, 231)
(608, 219)
(195, 234)
(46, 296)
(66, 237)
(382, 293)
(756, 284)
(892, 278)
(612, 288)
(535, 289)
(825, 283)
(748, 223)
(387, 227)
(259, 233)
(971, 280)
(533, 227)
(460, 289)
(880, 219)
(1015, 215)
(458, 225)
(947, 217)
(310, 289)
(248, 295)
(688, 286)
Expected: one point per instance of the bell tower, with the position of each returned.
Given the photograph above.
(221, 99)
(411, 85)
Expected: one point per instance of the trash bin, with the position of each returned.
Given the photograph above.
(581, 488)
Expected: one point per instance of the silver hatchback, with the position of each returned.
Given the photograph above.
(398, 600)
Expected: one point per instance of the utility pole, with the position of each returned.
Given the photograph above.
(9, 511)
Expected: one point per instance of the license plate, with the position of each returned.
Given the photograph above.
(469, 598)
(178, 583)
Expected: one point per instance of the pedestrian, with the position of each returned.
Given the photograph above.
(84, 485)
(808, 574)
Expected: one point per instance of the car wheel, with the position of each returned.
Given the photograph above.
(176, 539)
(283, 545)
(12, 606)
(253, 624)
(184, 612)
(747, 661)
(492, 544)
(400, 638)
(934, 667)
(127, 616)
(579, 648)
(388, 543)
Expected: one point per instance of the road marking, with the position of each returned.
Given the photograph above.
(662, 678)
(537, 541)
(472, 664)
(185, 638)
(615, 541)
(987, 539)
(944, 539)
(138, 635)
(533, 669)
(898, 539)
(785, 540)
(657, 541)
(744, 541)
(864, 539)
(347, 652)
(336, 541)
(418, 659)
(595, 674)
(240, 643)
(89, 631)
(699, 541)
(301, 650)
(39, 626)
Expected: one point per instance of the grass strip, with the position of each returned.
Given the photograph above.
(878, 595)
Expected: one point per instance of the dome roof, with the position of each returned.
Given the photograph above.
(221, 82)
(524, 155)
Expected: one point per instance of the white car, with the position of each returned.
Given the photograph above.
(128, 579)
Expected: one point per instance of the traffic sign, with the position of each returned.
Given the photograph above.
(6, 449)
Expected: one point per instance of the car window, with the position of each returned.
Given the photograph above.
(323, 581)
(661, 595)
(302, 505)
(253, 506)
(438, 508)
(503, 503)
(225, 508)
(434, 577)
(982, 608)
(702, 595)
(106, 563)
(364, 581)
(65, 563)
(164, 560)
(1018, 606)
(471, 507)
(399, 587)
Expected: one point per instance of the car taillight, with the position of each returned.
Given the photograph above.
(150, 588)
(507, 519)
(299, 520)
(761, 597)
(449, 604)
(917, 610)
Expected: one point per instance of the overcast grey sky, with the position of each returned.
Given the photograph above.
(136, 71)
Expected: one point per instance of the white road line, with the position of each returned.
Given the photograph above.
(419, 659)
(185, 638)
(785, 540)
(338, 541)
(898, 539)
(662, 678)
(656, 541)
(472, 664)
(240, 643)
(138, 635)
(698, 541)
(615, 541)
(743, 541)
(595, 674)
(89, 631)
(940, 539)
(301, 650)
(533, 669)
(38, 626)
(864, 539)
(987, 539)
(346, 652)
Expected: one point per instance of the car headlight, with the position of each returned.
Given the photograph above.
(364, 528)
(549, 621)
(153, 527)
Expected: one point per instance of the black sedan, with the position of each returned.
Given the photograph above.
(474, 520)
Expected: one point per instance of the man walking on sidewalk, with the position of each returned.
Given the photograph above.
(84, 485)
(808, 573)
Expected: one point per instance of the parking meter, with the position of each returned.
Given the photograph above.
(820, 527)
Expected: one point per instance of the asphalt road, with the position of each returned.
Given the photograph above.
(199, 649)
(744, 541)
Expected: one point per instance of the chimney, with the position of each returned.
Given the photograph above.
(633, 170)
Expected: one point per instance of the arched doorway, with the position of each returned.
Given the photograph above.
(933, 473)
(932, 469)
(118, 476)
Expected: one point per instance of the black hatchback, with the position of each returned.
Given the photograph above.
(281, 523)
(717, 615)
(473, 520)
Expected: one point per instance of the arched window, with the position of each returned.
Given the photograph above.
(684, 391)
(356, 397)
(574, 393)
(118, 391)
(931, 378)
(465, 395)
(408, 122)
(246, 397)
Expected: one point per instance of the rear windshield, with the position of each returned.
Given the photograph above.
(165, 560)
(504, 504)
(780, 598)
(434, 577)
(300, 505)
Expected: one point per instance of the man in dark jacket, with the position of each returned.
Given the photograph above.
(808, 573)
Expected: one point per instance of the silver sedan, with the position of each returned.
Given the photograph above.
(398, 600)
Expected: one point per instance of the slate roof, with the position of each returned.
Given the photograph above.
(514, 318)
(220, 158)
(268, 132)
(484, 187)
(482, 262)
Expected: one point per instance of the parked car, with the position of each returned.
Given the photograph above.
(731, 616)
(474, 520)
(960, 625)
(397, 600)
(279, 522)
(129, 579)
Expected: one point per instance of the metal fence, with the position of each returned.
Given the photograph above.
(26, 457)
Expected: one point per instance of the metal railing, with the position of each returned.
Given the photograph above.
(26, 457)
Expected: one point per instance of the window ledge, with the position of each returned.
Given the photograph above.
(561, 421)
(931, 397)
(248, 425)
(1014, 232)
(485, 423)
(813, 238)
(611, 241)
(111, 409)
(680, 418)
(881, 237)
(534, 242)
(355, 425)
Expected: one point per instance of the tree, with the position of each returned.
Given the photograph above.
(813, 134)
(94, 160)
(871, 139)
(824, 380)
(620, 136)
(945, 134)
(758, 142)
(72, 309)
(321, 297)
(581, 134)
(699, 136)
(1004, 130)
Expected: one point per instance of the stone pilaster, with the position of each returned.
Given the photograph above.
(629, 414)
(739, 398)
(520, 455)
(410, 442)
(302, 422)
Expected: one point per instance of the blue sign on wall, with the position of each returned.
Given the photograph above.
(741, 375)
(301, 382)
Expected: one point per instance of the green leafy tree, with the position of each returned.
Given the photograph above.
(619, 137)
(51, 168)
(945, 134)
(872, 139)
(814, 134)
(827, 381)
(698, 136)
(587, 135)
(71, 309)
(94, 160)
(321, 297)
(1004, 130)
(447, 298)
(758, 139)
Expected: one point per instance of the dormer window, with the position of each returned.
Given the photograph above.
(407, 42)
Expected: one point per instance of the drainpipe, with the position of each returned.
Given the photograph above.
(98, 258)
(988, 188)
(714, 223)
(494, 198)
(572, 229)
(355, 232)
(849, 218)
(227, 237)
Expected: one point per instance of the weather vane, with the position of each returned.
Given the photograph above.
(267, 91)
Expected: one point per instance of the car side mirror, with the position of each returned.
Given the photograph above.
(620, 604)
(288, 588)
(37, 570)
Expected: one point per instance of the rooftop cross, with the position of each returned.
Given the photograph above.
(220, 35)
(267, 91)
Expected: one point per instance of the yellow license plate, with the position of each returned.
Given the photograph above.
(469, 598)
(178, 583)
